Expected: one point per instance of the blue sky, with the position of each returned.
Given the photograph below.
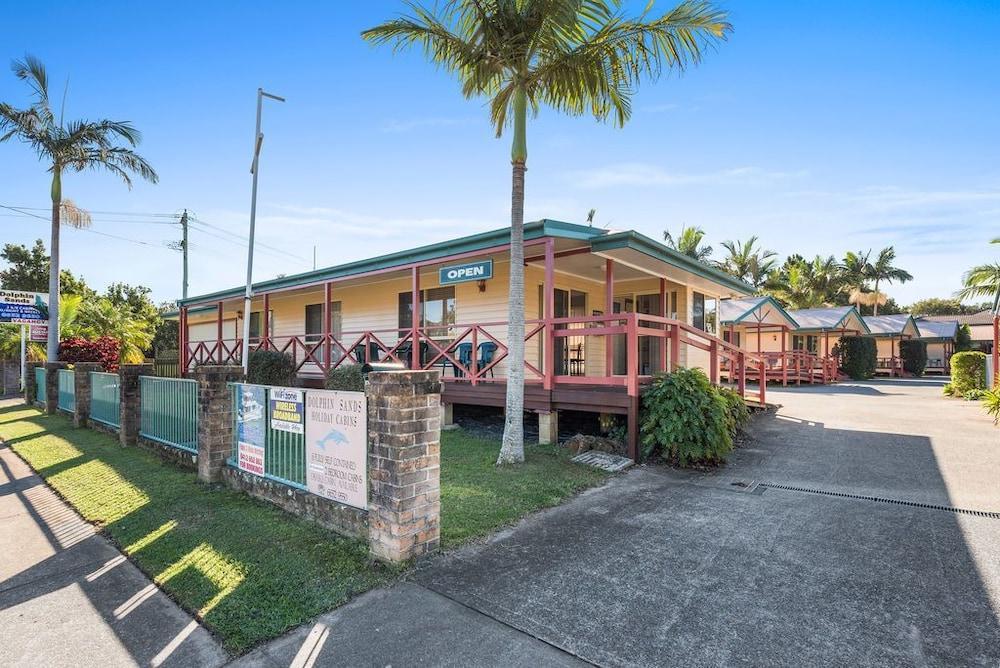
(819, 127)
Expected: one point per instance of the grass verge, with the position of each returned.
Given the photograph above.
(477, 497)
(247, 569)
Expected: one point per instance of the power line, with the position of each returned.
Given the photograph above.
(85, 229)
(101, 213)
(244, 240)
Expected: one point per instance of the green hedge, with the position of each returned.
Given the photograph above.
(687, 420)
(269, 367)
(858, 356)
(914, 354)
(346, 377)
(968, 372)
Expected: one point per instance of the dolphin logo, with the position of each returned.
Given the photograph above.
(333, 437)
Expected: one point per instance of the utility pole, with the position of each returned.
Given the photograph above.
(184, 249)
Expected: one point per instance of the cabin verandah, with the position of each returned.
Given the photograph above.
(889, 332)
(603, 313)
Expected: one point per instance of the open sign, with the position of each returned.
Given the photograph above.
(479, 270)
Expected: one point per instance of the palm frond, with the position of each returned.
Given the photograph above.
(72, 215)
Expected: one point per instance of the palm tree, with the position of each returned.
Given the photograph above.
(688, 242)
(101, 318)
(748, 262)
(576, 56)
(793, 287)
(982, 281)
(882, 270)
(67, 146)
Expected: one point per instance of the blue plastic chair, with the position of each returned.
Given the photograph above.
(487, 351)
(463, 355)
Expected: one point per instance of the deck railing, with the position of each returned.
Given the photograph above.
(105, 399)
(40, 384)
(891, 365)
(169, 411)
(620, 349)
(67, 390)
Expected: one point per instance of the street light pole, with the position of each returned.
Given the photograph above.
(258, 140)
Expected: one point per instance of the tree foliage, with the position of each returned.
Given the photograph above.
(689, 242)
(28, 269)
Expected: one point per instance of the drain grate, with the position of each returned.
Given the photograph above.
(882, 499)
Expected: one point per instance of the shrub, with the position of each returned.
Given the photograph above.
(948, 390)
(685, 419)
(914, 354)
(737, 413)
(347, 378)
(968, 372)
(991, 401)
(858, 356)
(103, 349)
(963, 341)
(974, 394)
(269, 367)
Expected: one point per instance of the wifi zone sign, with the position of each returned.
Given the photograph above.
(470, 271)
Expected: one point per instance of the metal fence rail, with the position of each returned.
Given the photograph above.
(40, 384)
(67, 390)
(284, 452)
(105, 398)
(169, 411)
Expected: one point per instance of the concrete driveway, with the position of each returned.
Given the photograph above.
(860, 526)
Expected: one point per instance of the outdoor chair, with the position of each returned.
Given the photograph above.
(373, 352)
(487, 351)
(463, 354)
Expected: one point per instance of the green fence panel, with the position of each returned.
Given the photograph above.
(67, 390)
(284, 451)
(169, 411)
(40, 384)
(105, 398)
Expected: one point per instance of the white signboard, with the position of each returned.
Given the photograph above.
(337, 446)
(23, 308)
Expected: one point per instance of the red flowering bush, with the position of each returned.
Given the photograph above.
(103, 349)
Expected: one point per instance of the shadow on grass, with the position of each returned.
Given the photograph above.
(247, 569)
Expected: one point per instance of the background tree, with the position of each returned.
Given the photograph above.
(748, 262)
(28, 269)
(936, 306)
(689, 243)
(67, 146)
(576, 56)
(882, 270)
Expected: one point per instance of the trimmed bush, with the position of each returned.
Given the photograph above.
(968, 372)
(103, 349)
(269, 367)
(347, 378)
(948, 390)
(737, 413)
(858, 356)
(914, 354)
(685, 419)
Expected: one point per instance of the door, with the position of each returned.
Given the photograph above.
(623, 304)
(649, 346)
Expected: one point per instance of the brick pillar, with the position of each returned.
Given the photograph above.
(130, 406)
(52, 386)
(30, 386)
(81, 383)
(215, 418)
(404, 438)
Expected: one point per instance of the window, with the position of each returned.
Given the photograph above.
(807, 343)
(255, 324)
(734, 339)
(437, 310)
(314, 326)
(704, 313)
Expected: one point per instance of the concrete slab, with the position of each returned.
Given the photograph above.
(405, 625)
(68, 597)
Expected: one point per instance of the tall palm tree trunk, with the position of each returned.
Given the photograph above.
(875, 300)
(512, 448)
(52, 347)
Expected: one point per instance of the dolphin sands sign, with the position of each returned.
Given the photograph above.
(337, 446)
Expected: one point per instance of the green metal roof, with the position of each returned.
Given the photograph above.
(735, 310)
(640, 242)
(825, 319)
(442, 250)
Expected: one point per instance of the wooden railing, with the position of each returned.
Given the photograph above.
(619, 350)
(892, 365)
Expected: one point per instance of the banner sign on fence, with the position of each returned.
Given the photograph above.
(337, 446)
(23, 307)
(287, 410)
(250, 424)
(39, 332)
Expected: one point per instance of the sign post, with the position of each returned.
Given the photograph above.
(24, 308)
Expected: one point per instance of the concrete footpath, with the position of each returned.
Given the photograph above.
(69, 598)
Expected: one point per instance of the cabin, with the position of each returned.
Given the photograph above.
(604, 311)
(889, 331)
(940, 336)
(980, 327)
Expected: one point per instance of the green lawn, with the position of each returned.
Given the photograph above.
(477, 498)
(249, 570)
